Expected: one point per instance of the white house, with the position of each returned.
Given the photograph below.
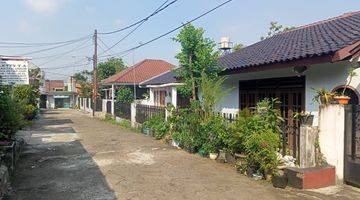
(163, 90)
(291, 64)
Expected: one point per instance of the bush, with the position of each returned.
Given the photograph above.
(215, 130)
(124, 95)
(29, 112)
(261, 138)
(11, 119)
(186, 127)
(158, 125)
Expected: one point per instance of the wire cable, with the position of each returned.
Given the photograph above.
(45, 43)
(161, 8)
(173, 30)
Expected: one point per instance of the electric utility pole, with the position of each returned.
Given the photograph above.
(94, 74)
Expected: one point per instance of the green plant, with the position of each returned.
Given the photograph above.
(322, 96)
(11, 119)
(215, 131)
(212, 92)
(261, 139)
(124, 95)
(158, 125)
(351, 73)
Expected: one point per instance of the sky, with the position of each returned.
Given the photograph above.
(43, 21)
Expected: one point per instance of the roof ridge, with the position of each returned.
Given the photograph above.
(344, 15)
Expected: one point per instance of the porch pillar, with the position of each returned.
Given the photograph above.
(174, 96)
(331, 136)
(133, 114)
(112, 100)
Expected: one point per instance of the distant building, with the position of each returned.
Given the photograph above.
(14, 70)
(57, 95)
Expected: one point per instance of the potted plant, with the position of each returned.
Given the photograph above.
(323, 96)
(305, 118)
(342, 98)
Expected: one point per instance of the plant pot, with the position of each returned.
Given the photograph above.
(279, 181)
(213, 156)
(147, 131)
(343, 100)
(307, 120)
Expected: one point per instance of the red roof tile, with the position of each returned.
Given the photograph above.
(140, 72)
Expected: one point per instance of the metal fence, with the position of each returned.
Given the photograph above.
(123, 110)
(98, 105)
(145, 112)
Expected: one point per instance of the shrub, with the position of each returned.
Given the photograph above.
(215, 130)
(124, 95)
(11, 119)
(261, 138)
(29, 112)
(158, 125)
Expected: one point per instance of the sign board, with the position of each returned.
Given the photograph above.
(14, 72)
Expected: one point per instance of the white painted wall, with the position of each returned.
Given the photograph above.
(329, 76)
(168, 98)
(331, 136)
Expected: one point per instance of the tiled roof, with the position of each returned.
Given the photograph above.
(316, 39)
(140, 72)
(165, 78)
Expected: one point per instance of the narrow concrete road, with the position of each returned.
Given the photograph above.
(73, 156)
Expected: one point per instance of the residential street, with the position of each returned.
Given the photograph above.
(73, 156)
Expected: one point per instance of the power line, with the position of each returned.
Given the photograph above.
(55, 47)
(161, 7)
(79, 47)
(44, 43)
(142, 20)
(171, 31)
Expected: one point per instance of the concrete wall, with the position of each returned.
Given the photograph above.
(168, 99)
(331, 136)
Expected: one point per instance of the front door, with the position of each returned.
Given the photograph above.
(352, 145)
(290, 91)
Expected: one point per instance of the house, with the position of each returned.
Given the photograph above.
(57, 96)
(290, 64)
(163, 90)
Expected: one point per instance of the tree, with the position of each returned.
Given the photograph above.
(238, 47)
(276, 28)
(110, 67)
(124, 95)
(83, 78)
(198, 55)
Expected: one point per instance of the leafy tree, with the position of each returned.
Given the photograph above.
(238, 46)
(110, 67)
(83, 78)
(212, 92)
(124, 95)
(198, 55)
(276, 28)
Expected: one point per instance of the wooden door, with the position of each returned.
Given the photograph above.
(290, 91)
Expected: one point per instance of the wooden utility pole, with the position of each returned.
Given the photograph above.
(95, 84)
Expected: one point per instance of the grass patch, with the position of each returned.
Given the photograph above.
(125, 124)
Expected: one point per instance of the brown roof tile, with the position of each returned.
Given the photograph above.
(140, 72)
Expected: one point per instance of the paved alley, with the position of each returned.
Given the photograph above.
(73, 156)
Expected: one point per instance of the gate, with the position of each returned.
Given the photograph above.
(108, 107)
(352, 145)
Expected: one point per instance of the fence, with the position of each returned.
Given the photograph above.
(123, 110)
(98, 105)
(290, 140)
(144, 112)
(108, 107)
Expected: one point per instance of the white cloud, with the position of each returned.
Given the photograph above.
(119, 22)
(44, 6)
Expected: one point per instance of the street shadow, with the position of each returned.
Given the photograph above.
(59, 171)
(55, 121)
(56, 129)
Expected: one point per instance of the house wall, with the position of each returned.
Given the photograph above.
(168, 98)
(329, 76)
